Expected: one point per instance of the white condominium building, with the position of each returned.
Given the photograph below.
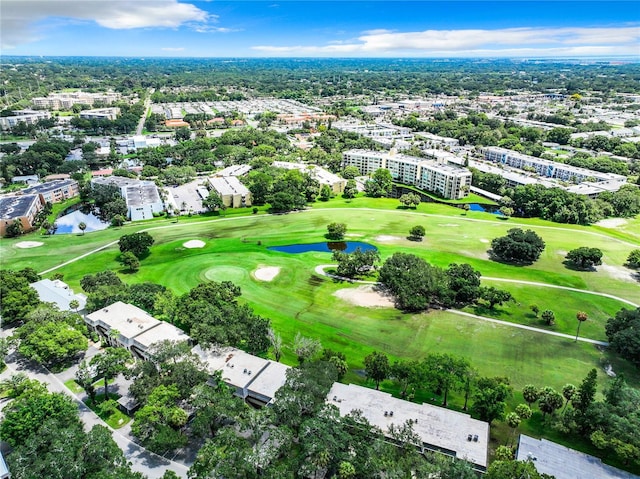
(448, 181)
(547, 168)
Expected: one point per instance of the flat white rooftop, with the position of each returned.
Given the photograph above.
(59, 293)
(129, 320)
(565, 463)
(228, 185)
(161, 332)
(440, 429)
(269, 380)
(238, 368)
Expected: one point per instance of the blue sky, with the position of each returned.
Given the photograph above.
(276, 28)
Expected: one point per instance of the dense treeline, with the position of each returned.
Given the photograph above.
(210, 79)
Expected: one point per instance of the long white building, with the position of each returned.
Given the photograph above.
(142, 197)
(448, 181)
(547, 168)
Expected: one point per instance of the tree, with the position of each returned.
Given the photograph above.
(350, 172)
(623, 333)
(549, 401)
(137, 243)
(506, 211)
(14, 229)
(549, 317)
(490, 398)
(183, 133)
(535, 309)
(417, 233)
(376, 366)
(464, 283)
(305, 348)
(414, 283)
(130, 260)
(117, 220)
(633, 260)
(568, 392)
(336, 231)
(581, 316)
(350, 190)
(493, 295)
(530, 393)
(74, 304)
(586, 392)
(82, 226)
(406, 373)
(523, 411)
(585, 257)
(513, 469)
(17, 298)
(276, 343)
(410, 199)
(213, 201)
(445, 372)
(380, 183)
(325, 193)
(109, 364)
(513, 420)
(518, 246)
(351, 265)
(85, 379)
(157, 424)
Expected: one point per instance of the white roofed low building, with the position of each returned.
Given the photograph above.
(125, 325)
(142, 197)
(322, 176)
(59, 293)
(254, 379)
(441, 430)
(233, 193)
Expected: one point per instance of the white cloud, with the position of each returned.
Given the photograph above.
(211, 29)
(20, 18)
(565, 41)
(172, 49)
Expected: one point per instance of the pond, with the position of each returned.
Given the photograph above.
(493, 209)
(325, 247)
(70, 219)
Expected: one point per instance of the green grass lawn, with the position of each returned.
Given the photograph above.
(298, 300)
(114, 417)
(73, 386)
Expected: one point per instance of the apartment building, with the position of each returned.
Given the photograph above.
(546, 168)
(24, 208)
(64, 101)
(55, 191)
(142, 197)
(30, 117)
(448, 181)
(233, 193)
(100, 114)
(319, 174)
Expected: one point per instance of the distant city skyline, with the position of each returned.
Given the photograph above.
(276, 28)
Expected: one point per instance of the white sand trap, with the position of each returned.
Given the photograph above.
(484, 240)
(617, 272)
(386, 238)
(612, 222)
(266, 273)
(28, 244)
(366, 295)
(194, 244)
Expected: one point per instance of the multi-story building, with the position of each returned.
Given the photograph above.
(546, 168)
(24, 208)
(30, 117)
(233, 193)
(100, 114)
(448, 181)
(55, 191)
(64, 101)
(142, 197)
(321, 175)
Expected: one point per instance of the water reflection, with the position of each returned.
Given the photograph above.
(325, 247)
(69, 221)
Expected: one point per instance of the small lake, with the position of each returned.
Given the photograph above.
(485, 208)
(72, 217)
(325, 247)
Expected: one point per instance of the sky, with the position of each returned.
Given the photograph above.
(277, 28)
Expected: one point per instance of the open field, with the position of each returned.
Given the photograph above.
(298, 300)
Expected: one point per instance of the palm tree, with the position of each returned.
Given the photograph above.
(581, 316)
(83, 226)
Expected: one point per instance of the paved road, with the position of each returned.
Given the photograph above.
(148, 463)
(147, 104)
(320, 270)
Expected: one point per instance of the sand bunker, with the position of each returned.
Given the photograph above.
(484, 240)
(28, 244)
(194, 244)
(266, 273)
(612, 222)
(617, 272)
(367, 295)
(383, 238)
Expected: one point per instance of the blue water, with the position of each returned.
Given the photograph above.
(485, 208)
(325, 247)
(69, 222)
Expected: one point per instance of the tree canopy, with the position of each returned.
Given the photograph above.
(518, 246)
